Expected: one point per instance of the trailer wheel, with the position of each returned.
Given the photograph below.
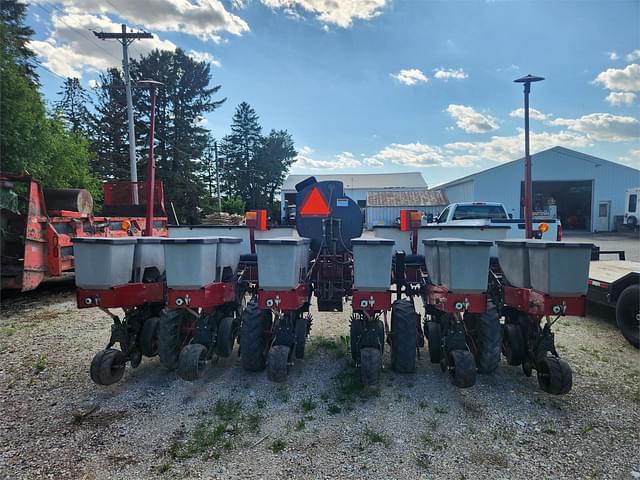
(513, 344)
(487, 338)
(362, 338)
(462, 368)
(107, 366)
(301, 336)
(172, 336)
(278, 363)
(554, 375)
(192, 362)
(434, 337)
(370, 365)
(403, 336)
(149, 337)
(628, 314)
(225, 337)
(253, 340)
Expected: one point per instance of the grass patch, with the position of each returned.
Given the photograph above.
(434, 442)
(586, 428)
(283, 394)
(164, 467)
(349, 387)
(489, 458)
(423, 460)
(215, 435)
(432, 424)
(7, 331)
(261, 403)
(423, 405)
(374, 437)
(278, 445)
(307, 405)
(334, 409)
(339, 346)
(441, 410)
(300, 425)
(41, 363)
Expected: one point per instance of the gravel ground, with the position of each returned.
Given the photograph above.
(320, 424)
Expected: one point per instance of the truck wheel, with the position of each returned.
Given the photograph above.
(403, 336)
(192, 362)
(149, 337)
(462, 368)
(513, 344)
(434, 337)
(278, 363)
(370, 365)
(487, 339)
(253, 340)
(171, 337)
(225, 337)
(107, 366)
(554, 375)
(628, 314)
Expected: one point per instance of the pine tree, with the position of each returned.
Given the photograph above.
(276, 157)
(14, 38)
(72, 107)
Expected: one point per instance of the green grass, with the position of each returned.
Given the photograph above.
(307, 405)
(164, 467)
(423, 405)
(300, 425)
(586, 428)
(434, 442)
(339, 346)
(349, 388)
(334, 409)
(423, 460)
(7, 331)
(41, 363)
(441, 410)
(374, 437)
(278, 445)
(261, 403)
(284, 394)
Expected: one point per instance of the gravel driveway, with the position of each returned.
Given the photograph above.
(320, 424)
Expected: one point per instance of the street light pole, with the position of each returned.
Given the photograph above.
(151, 165)
(528, 188)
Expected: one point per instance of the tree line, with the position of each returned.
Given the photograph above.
(83, 139)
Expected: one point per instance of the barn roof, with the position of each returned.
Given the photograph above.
(365, 181)
(415, 198)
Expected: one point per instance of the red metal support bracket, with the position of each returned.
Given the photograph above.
(284, 300)
(450, 302)
(371, 302)
(539, 304)
(127, 295)
(209, 296)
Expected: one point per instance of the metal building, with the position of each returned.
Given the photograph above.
(356, 186)
(383, 208)
(584, 192)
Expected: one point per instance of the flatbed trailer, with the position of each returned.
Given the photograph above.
(616, 284)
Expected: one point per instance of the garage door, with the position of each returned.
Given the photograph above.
(570, 201)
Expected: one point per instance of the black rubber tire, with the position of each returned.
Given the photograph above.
(554, 375)
(434, 337)
(170, 342)
(225, 337)
(370, 365)
(192, 362)
(301, 337)
(403, 336)
(278, 363)
(513, 346)
(253, 342)
(462, 368)
(148, 339)
(488, 339)
(628, 314)
(107, 366)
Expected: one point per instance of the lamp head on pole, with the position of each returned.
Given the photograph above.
(150, 83)
(528, 79)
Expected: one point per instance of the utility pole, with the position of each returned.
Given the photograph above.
(215, 150)
(126, 38)
(528, 190)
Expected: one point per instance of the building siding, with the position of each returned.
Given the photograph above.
(388, 215)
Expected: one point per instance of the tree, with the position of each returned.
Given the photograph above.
(109, 130)
(255, 165)
(72, 107)
(240, 151)
(181, 105)
(14, 37)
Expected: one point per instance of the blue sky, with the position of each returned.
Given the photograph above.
(379, 85)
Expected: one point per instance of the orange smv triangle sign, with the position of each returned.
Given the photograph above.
(315, 205)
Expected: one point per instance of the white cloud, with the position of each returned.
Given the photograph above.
(340, 161)
(626, 79)
(613, 56)
(410, 77)
(204, 57)
(533, 114)
(93, 83)
(635, 55)
(506, 148)
(373, 162)
(336, 12)
(603, 126)
(620, 98)
(450, 73)
(205, 19)
(471, 121)
(411, 155)
(72, 48)
(632, 159)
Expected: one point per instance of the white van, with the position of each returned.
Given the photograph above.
(632, 207)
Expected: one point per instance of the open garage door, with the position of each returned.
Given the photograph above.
(570, 201)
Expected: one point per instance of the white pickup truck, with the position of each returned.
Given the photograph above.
(490, 215)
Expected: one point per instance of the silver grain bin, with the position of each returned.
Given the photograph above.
(513, 257)
(559, 268)
(103, 262)
(471, 232)
(282, 262)
(464, 264)
(229, 250)
(402, 239)
(372, 263)
(431, 260)
(148, 260)
(190, 262)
